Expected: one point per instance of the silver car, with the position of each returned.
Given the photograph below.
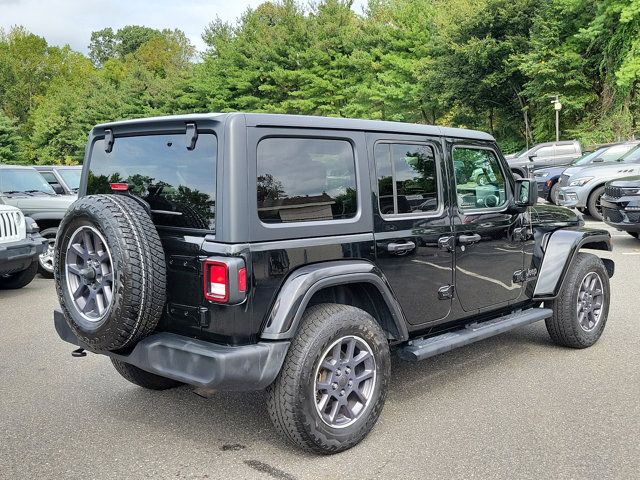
(582, 189)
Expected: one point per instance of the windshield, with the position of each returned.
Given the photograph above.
(632, 156)
(23, 181)
(588, 158)
(179, 184)
(71, 177)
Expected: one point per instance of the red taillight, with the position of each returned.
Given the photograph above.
(242, 280)
(216, 281)
(119, 187)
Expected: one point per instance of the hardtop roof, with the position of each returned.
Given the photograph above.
(289, 120)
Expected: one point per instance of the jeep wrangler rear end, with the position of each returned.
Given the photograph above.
(250, 251)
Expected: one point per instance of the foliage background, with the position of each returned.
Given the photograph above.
(485, 64)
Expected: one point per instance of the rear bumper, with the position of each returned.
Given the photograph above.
(17, 256)
(196, 362)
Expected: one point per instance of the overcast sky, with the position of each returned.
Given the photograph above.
(72, 21)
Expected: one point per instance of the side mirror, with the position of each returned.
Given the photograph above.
(526, 192)
(532, 158)
(598, 160)
(58, 188)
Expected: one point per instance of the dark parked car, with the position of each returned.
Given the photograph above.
(25, 188)
(621, 204)
(289, 253)
(20, 246)
(545, 155)
(65, 180)
(548, 178)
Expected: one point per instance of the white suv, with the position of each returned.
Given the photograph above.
(20, 247)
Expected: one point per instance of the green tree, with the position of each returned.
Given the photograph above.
(9, 140)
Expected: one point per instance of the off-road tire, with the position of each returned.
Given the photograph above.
(291, 398)
(142, 378)
(49, 234)
(591, 203)
(563, 326)
(20, 279)
(553, 193)
(139, 271)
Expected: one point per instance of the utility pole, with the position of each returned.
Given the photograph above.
(557, 106)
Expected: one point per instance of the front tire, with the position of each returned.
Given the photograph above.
(580, 310)
(20, 279)
(332, 386)
(45, 260)
(593, 205)
(554, 193)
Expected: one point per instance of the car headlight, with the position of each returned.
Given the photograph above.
(580, 182)
(541, 174)
(630, 191)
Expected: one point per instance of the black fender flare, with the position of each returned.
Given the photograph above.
(294, 295)
(560, 248)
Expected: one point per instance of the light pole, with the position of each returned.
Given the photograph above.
(557, 107)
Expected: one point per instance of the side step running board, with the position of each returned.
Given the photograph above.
(422, 348)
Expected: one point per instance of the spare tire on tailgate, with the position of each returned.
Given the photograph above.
(110, 271)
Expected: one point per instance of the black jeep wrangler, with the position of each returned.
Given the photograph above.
(293, 254)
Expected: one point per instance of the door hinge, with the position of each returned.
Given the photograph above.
(446, 292)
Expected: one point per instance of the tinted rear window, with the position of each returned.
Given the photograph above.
(178, 184)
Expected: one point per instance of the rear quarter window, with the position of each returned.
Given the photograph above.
(179, 184)
(305, 179)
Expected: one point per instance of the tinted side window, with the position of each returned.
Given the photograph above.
(565, 149)
(544, 152)
(305, 179)
(407, 178)
(49, 177)
(179, 184)
(479, 179)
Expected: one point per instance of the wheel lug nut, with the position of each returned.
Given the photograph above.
(334, 386)
(341, 392)
(350, 383)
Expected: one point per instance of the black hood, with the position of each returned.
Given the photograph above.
(552, 214)
(625, 182)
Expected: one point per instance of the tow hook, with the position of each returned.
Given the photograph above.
(79, 353)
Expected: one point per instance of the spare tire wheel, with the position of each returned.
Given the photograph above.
(110, 271)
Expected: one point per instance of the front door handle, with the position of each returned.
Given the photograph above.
(401, 247)
(468, 239)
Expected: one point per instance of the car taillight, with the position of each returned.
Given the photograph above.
(119, 187)
(216, 281)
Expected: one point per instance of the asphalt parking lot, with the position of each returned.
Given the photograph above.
(514, 406)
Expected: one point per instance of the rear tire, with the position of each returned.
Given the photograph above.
(333, 384)
(142, 378)
(577, 321)
(593, 204)
(17, 280)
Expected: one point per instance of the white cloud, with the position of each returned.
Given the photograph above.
(72, 21)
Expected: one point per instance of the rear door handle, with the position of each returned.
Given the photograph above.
(401, 247)
(467, 239)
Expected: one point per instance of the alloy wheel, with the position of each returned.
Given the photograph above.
(344, 381)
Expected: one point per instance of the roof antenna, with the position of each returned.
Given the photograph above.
(108, 140)
(192, 136)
